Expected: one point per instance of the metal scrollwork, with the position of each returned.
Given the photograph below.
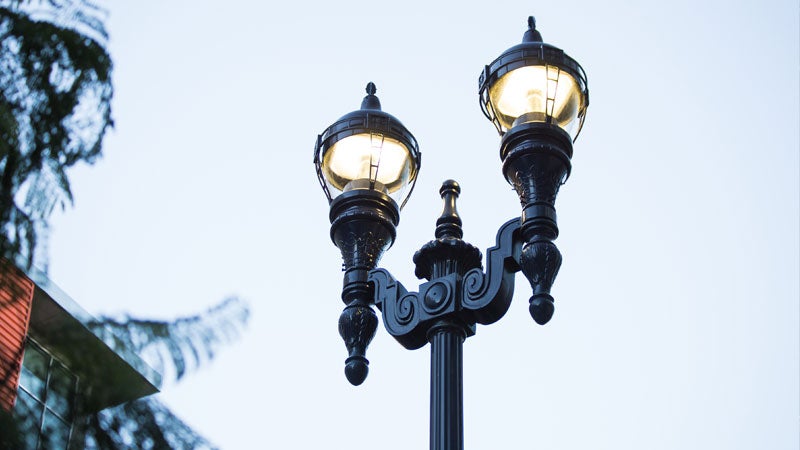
(474, 297)
(474, 283)
(405, 309)
(409, 315)
(488, 296)
(400, 309)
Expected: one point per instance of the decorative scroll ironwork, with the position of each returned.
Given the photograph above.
(475, 297)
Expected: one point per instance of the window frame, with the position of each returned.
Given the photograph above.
(53, 365)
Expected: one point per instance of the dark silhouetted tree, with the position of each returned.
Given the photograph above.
(55, 92)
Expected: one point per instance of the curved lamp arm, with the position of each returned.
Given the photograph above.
(409, 316)
(488, 295)
(399, 309)
(471, 298)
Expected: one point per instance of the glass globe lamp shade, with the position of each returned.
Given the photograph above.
(368, 161)
(534, 82)
(537, 94)
(367, 149)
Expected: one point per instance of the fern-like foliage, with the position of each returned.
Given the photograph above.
(142, 424)
(178, 346)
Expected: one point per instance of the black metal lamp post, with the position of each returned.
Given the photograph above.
(367, 163)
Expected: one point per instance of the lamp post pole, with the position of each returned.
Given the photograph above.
(446, 336)
(447, 398)
(367, 163)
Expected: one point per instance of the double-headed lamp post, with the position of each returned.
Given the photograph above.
(367, 162)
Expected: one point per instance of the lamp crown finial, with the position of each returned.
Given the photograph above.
(371, 101)
(532, 34)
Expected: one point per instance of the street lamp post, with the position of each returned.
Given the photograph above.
(367, 163)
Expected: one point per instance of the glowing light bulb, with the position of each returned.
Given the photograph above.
(536, 94)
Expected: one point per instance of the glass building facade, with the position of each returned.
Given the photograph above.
(46, 400)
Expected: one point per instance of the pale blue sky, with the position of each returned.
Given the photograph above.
(677, 316)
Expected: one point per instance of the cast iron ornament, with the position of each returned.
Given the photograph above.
(458, 290)
(536, 162)
(362, 227)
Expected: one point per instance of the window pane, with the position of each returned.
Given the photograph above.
(34, 371)
(61, 392)
(55, 432)
(28, 413)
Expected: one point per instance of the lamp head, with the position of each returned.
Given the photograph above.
(534, 82)
(367, 149)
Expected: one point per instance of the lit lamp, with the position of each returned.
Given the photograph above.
(367, 163)
(534, 82)
(536, 96)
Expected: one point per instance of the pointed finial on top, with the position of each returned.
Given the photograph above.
(532, 35)
(371, 100)
(449, 223)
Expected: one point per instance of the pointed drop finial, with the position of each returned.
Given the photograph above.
(371, 100)
(532, 35)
